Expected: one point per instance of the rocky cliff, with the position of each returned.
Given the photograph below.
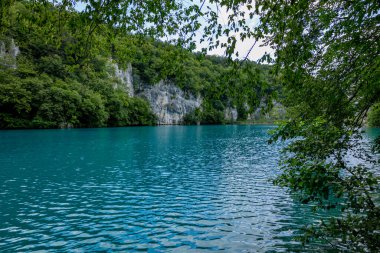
(125, 78)
(278, 112)
(230, 114)
(8, 53)
(168, 102)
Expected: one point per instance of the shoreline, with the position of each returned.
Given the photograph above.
(157, 125)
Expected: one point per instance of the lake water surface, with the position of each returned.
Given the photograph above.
(155, 189)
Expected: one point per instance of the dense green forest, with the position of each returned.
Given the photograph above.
(63, 74)
(374, 116)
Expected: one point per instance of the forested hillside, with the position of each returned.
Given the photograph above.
(57, 70)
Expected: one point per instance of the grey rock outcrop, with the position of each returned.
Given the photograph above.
(169, 103)
(230, 114)
(8, 53)
(278, 112)
(13, 49)
(2, 50)
(125, 79)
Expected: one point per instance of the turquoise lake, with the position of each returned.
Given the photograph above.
(148, 189)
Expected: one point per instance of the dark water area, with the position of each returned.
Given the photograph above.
(149, 189)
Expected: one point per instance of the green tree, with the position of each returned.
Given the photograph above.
(59, 106)
(374, 116)
(15, 105)
(327, 59)
(92, 109)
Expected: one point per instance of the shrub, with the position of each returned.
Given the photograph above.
(374, 116)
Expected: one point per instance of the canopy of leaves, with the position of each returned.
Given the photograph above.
(327, 58)
(374, 116)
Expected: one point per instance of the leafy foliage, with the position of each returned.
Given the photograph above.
(374, 116)
(328, 61)
(56, 83)
(65, 71)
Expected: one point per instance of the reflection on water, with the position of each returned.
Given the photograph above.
(195, 188)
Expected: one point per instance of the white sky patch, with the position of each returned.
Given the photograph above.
(242, 47)
(79, 6)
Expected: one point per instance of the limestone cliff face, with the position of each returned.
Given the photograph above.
(278, 112)
(8, 53)
(169, 103)
(230, 114)
(125, 77)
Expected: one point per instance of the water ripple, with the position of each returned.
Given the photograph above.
(156, 189)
